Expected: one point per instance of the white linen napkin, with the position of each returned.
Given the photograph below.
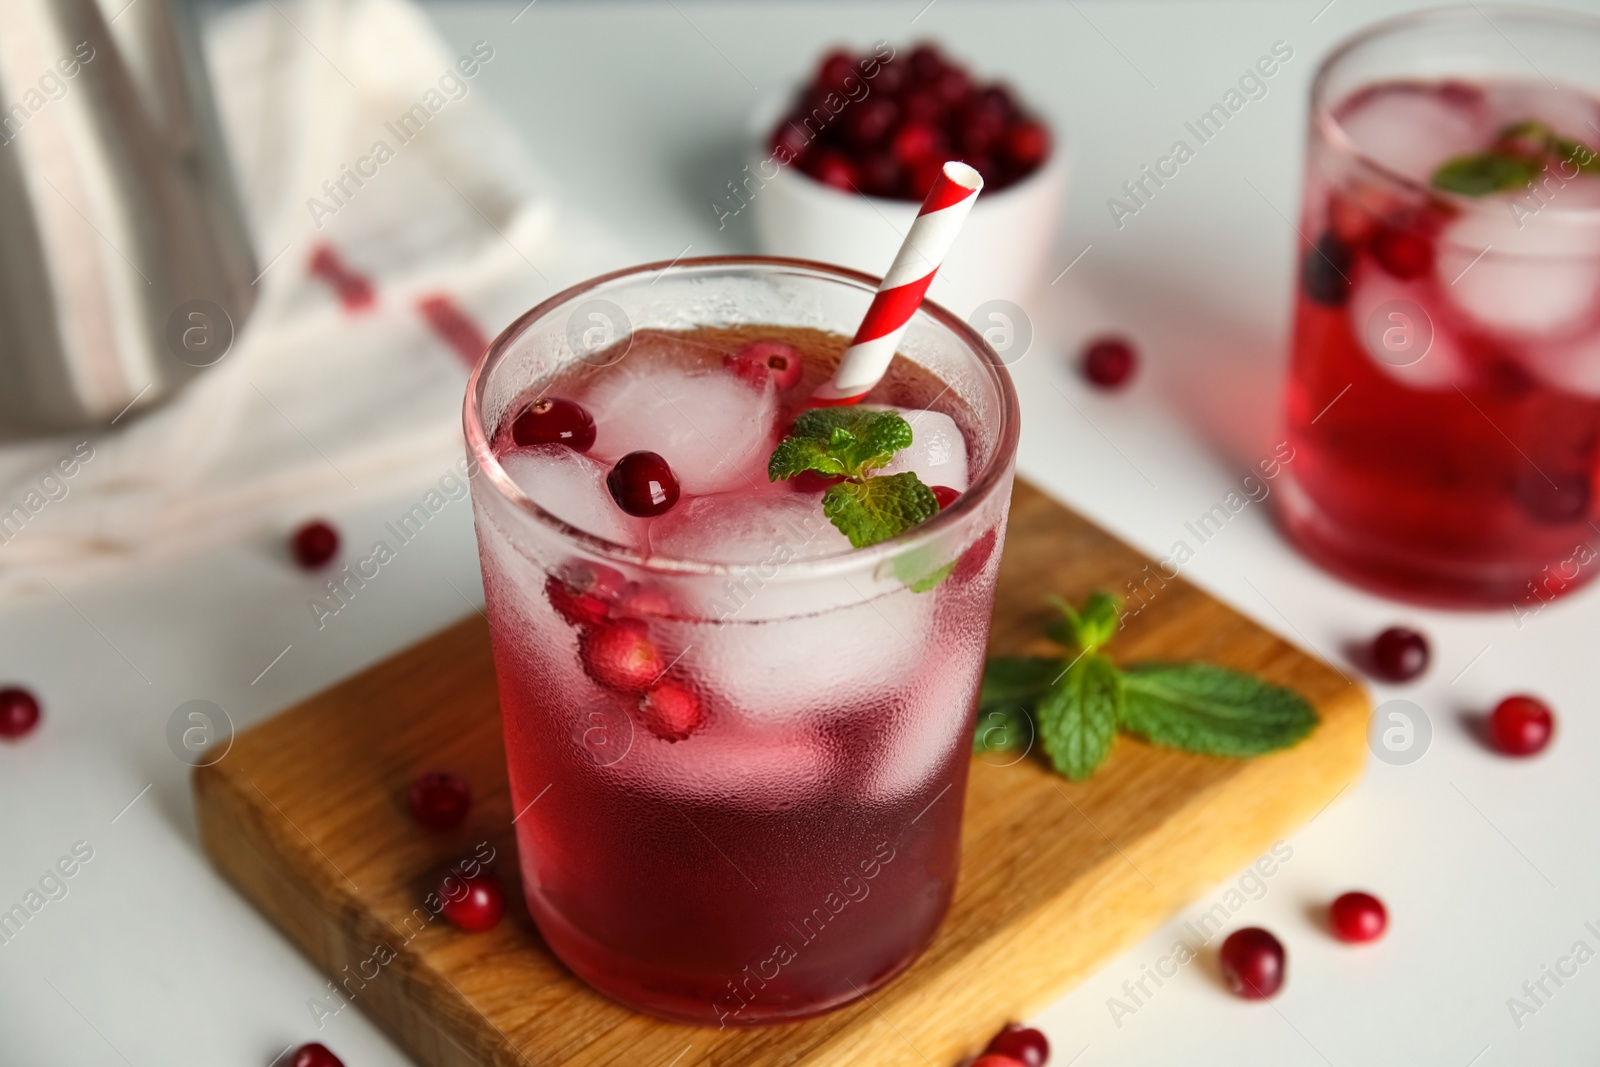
(377, 290)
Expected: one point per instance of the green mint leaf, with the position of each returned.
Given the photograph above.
(876, 509)
(1579, 154)
(1201, 707)
(1002, 729)
(1090, 629)
(1078, 717)
(1485, 173)
(858, 439)
(796, 454)
(1017, 680)
(1011, 689)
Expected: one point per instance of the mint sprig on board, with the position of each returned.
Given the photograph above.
(1075, 704)
(852, 443)
(1520, 154)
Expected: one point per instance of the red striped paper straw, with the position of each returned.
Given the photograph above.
(902, 289)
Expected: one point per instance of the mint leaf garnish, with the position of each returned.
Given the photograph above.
(1520, 154)
(1079, 701)
(1079, 716)
(1485, 173)
(876, 509)
(1200, 707)
(853, 442)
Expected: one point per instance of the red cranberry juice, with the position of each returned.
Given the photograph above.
(732, 820)
(1444, 395)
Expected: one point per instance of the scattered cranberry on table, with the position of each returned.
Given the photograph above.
(1399, 654)
(994, 1059)
(1358, 917)
(1521, 725)
(1021, 1044)
(553, 421)
(759, 361)
(473, 904)
(314, 544)
(19, 712)
(1252, 963)
(314, 1055)
(620, 655)
(1109, 362)
(642, 484)
(885, 127)
(671, 711)
(439, 800)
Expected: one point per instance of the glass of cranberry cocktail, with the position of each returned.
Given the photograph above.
(1444, 395)
(738, 745)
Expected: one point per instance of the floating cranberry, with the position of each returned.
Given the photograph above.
(1109, 362)
(1252, 963)
(472, 904)
(760, 360)
(1325, 271)
(644, 602)
(1399, 654)
(1028, 1047)
(577, 608)
(314, 544)
(671, 711)
(971, 562)
(1358, 917)
(1521, 725)
(314, 1055)
(642, 484)
(1403, 253)
(944, 495)
(621, 655)
(553, 421)
(814, 481)
(19, 712)
(439, 800)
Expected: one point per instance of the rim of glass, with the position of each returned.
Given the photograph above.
(1333, 130)
(857, 559)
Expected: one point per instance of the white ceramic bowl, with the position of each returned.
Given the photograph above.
(1002, 252)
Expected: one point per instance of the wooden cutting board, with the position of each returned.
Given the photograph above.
(306, 816)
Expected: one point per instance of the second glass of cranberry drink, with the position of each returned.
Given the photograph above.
(738, 746)
(1444, 397)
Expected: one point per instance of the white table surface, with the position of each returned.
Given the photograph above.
(1488, 865)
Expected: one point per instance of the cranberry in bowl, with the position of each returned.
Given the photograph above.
(838, 167)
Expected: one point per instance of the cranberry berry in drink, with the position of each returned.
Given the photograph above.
(1444, 396)
(737, 741)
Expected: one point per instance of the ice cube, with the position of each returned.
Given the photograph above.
(1412, 129)
(1572, 115)
(572, 487)
(1405, 342)
(938, 451)
(713, 427)
(847, 661)
(773, 523)
(1520, 275)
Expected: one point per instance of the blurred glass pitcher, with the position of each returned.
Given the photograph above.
(125, 264)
